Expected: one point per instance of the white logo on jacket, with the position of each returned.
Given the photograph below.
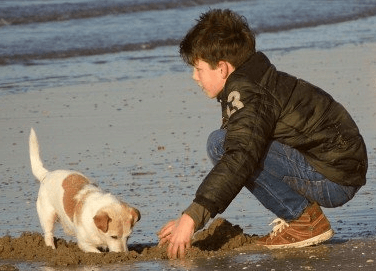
(233, 103)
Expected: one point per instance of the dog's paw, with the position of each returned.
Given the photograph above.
(49, 240)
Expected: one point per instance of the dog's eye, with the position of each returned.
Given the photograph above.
(114, 237)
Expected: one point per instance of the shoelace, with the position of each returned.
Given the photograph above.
(279, 225)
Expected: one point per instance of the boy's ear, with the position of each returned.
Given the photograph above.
(226, 68)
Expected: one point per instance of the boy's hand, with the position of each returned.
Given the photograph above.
(178, 233)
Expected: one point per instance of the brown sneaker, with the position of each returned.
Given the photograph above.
(311, 228)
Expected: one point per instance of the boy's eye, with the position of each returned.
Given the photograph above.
(114, 237)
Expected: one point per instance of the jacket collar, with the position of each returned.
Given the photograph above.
(252, 69)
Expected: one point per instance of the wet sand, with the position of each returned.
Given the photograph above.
(144, 141)
(221, 240)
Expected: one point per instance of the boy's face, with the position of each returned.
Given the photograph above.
(210, 80)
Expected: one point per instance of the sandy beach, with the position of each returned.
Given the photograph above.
(144, 141)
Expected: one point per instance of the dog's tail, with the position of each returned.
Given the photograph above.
(36, 163)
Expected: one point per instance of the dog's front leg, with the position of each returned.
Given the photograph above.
(49, 239)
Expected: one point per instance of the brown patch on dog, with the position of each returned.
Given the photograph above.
(102, 220)
(72, 186)
(136, 216)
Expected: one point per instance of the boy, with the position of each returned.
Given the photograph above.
(288, 142)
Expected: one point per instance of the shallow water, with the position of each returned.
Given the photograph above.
(37, 29)
(38, 50)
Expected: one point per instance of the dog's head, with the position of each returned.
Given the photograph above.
(115, 223)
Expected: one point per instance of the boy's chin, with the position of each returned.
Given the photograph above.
(211, 95)
(208, 94)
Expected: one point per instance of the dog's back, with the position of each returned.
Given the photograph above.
(36, 163)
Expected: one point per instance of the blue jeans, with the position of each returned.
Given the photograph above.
(286, 183)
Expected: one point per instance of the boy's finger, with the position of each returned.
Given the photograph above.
(181, 251)
(163, 241)
(164, 234)
(171, 251)
(188, 245)
(166, 230)
(166, 227)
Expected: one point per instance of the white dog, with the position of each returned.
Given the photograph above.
(98, 220)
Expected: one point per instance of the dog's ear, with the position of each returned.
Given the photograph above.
(136, 216)
(101, 220)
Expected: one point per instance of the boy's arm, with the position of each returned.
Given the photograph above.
(199, 214)
(253, 113)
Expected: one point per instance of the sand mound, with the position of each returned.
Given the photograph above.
(220, 238)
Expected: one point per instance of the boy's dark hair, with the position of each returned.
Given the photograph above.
(218, 35)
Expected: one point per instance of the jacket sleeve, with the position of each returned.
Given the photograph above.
(252, 113)
(199, 214)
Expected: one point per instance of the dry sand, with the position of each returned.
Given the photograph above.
(153, 132)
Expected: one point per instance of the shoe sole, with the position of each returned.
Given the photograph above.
(309, 242)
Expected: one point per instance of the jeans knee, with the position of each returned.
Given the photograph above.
(214, 145)
(340, 195)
